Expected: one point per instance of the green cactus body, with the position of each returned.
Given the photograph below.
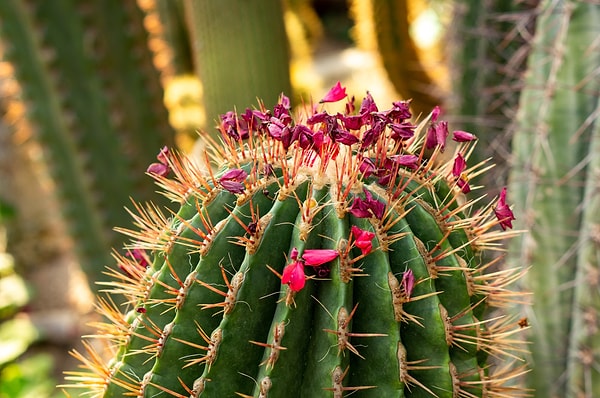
(327, 257)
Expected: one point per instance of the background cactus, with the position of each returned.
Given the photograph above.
(384, 26)
(326, 246)
(554, 179)
(487, 47)
(240, 52)
(85, 89)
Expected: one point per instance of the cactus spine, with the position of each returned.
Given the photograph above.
(328, 256)
(555, 181)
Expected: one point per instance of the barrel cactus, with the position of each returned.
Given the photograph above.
(330, 254)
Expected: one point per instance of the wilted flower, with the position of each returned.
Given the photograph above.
(408, 161)
(503, 213)
(158, 169)
(161, 168)
(367, 167)
(463, 184)
(233, 180)
(459, 165)
(408, 282)
(436, 135)
(367, 207)
(463, 136)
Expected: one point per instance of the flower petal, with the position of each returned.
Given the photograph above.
(293, 276)
(408, 282)
(160, 169)
(315, 257)
(459, 166)
(336, 93)
(503, 213)
(463, 136)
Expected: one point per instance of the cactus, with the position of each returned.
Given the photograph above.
(240, 52)
(488, 46)
(91, 99)
(555, 181)
(384, 25)
(327, 256)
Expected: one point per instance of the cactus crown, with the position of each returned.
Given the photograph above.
(331, 254)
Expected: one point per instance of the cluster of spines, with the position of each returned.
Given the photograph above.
(228, 239)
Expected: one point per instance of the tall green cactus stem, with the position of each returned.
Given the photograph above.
(327, 257)
(399, 54)
(488, 46)
(94, 102)
(241, 52)
(555, 181)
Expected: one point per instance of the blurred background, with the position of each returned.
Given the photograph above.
(90, 90)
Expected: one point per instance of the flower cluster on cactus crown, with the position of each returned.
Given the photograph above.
(371, 143)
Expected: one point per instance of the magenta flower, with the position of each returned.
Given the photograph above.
(163, 155)
(158, 169)
(503, 213)
(140, 257)
(346, 138)
(463, 184)
(161, 168)
(336, 93)
(367, 167)
(436, 135)
(293, 276)
(463, 136)
(362, 239)
(402, 131)
(459, 165)
(408, 282)
(408, 161)
(435, 113)
(233, 180)
(315, 257)
(367, 207)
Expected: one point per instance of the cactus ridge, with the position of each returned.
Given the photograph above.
(325, 257)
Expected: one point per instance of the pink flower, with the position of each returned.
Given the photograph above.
(336, 93)
(140, 257)
(459, 165)
(436, 135)
(158, 169)
(503, 213)
(367, 207)
(409, 161)
(435, 113)
(315, 257)
(367, 167)
(362, 239)
(293, 276)
(161, 168)
(463, 184)
(233, 180)
(463, 136)
(163, 155)
(408, 282)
